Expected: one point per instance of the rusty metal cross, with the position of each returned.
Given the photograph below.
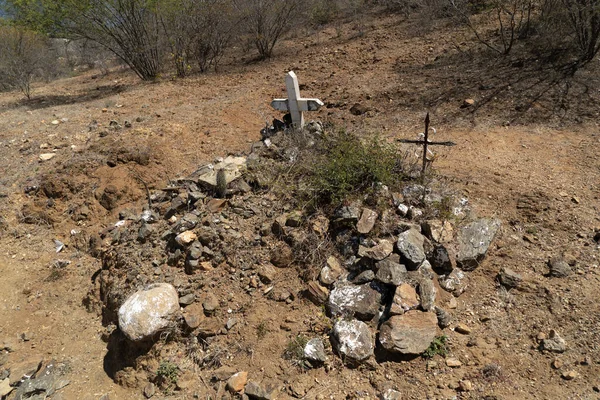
(426, 142)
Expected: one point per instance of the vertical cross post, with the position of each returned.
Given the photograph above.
(295, 104)
(425, 143)
(293, 90)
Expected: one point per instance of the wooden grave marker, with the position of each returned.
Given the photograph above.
(295, 104)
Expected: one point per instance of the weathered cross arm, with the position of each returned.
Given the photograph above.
(429, 142)
(303, 104)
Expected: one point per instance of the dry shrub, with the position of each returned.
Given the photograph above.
(24, 57)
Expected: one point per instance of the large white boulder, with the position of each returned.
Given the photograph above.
(148, 311)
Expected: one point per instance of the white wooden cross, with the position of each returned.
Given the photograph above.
(295, 104)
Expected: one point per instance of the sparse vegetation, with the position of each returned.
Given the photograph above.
(437, 347)
(294, 350)
(262, 330)
(167, 374)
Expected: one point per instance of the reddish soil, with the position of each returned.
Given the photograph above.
(539, 174)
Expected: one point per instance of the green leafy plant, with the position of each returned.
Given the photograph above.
(167, 374)
(348, 165)
(438, 346)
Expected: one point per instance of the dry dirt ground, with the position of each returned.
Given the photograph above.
(541, 177)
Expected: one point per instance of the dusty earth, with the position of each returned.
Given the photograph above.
(536, 168)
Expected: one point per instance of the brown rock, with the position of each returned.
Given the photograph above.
(570, 375)
(468, 103)
(463, 329)
(185, 238)
(411, 333)
(5, 388)
(282, 256)
(367, 221)
(378, 252)
(26, 368)
(223, 373)
(216, 205)
(237, 382)
(405, 299)
(359, 109)
(453, 362)
(267, 273)
(438, 231)
(317, 293)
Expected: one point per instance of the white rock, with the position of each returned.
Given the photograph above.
(148, 311)
(353, 339)
(46, 156)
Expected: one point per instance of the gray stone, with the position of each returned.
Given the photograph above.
(390, 272)
(347, 215)
(364, 277)
(231, 322)
(146, 230)
(410, 333)
(509, 278)
(148, 311)
(473, 241)
(361, 301)
(410, 246)
(353, 340)
(367, 221)
(315, 351)
(391, 394)
(186, 223)
(443, 316)
(378, 252)
(554, 343)
(426, 271)
(195, 251)
(559, 268)
(179, 203)
(455, 282)
(187, 299)
(149, 390)
(440, 259)
(254, 391)
(43, 386)
(427, 292)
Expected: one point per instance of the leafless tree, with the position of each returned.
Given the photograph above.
(267, 20)
(23, 57)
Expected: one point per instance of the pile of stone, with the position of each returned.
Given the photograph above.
(389, 284)
(380, 284)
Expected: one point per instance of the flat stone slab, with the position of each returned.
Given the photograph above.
(233, 166)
